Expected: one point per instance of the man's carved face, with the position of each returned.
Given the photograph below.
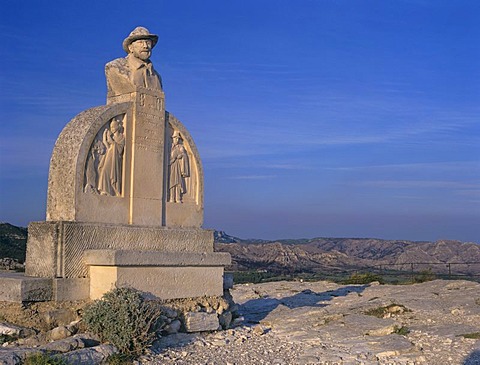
(141, 48)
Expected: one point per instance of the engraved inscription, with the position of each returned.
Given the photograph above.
(149, 148)
(149, 133)
(148, 117)
(150, 102)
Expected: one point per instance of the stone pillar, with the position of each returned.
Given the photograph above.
(147, 158)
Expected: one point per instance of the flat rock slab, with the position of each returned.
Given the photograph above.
(89, 356)
(9, 357)
(13, 330)
(326, 323)
(368, 325)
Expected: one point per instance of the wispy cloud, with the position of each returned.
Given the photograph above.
(289, 166)
(253, 177)
(472, 193)
(406, 184)
(420, 166)
(340, 125)
(277, 164)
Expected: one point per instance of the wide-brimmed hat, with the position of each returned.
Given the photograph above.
(139, 33)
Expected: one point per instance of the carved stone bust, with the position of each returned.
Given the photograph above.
(136, 69)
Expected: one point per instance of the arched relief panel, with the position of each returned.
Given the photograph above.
(184, 177)
(104, 169)
(182, 171)
(68, 197)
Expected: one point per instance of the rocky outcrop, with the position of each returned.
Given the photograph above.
(326, 323)
(178, 316)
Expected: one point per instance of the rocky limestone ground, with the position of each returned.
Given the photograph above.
(326, 323)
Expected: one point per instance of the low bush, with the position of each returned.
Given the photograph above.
(7, 338)
(473, 335)
(120, 359)
(43, 359)
(387, 310)
(123, 318)
(363, 278)
(402, 331)
(424, 276)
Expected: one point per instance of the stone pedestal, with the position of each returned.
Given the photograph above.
(160, 275)
(56, 249)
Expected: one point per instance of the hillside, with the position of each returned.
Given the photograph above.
(337, 254)
(13, 242)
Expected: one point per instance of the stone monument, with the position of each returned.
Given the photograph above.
(125, 198)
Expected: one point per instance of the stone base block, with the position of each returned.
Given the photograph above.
(16, 287)
(159, 282)
(71, 289)
(55, 248)
(154, 258)
(163, 275)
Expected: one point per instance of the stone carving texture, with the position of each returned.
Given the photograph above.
(57, 247)
(124, 75)
(104, 167)
(110, 167)
(68, 175)
(41, 257)
(194, 182)
(179, 169)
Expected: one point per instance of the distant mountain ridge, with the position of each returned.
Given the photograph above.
(310, 255)
(327, 254)
(222, 237)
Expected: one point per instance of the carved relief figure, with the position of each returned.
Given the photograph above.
(125, 74)
(179, 169)
(91, 172)
(110, 166)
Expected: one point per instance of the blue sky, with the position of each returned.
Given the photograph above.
(312, 117)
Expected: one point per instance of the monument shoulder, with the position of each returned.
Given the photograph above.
(118, 65)
(117, 74)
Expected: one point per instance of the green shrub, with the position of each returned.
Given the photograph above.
(424, 275)
(120, 359)
(363, 278)
(473, 335)
(43, 359)
(402, 331)
(385, 311)
(7, 338)
(123, 318)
